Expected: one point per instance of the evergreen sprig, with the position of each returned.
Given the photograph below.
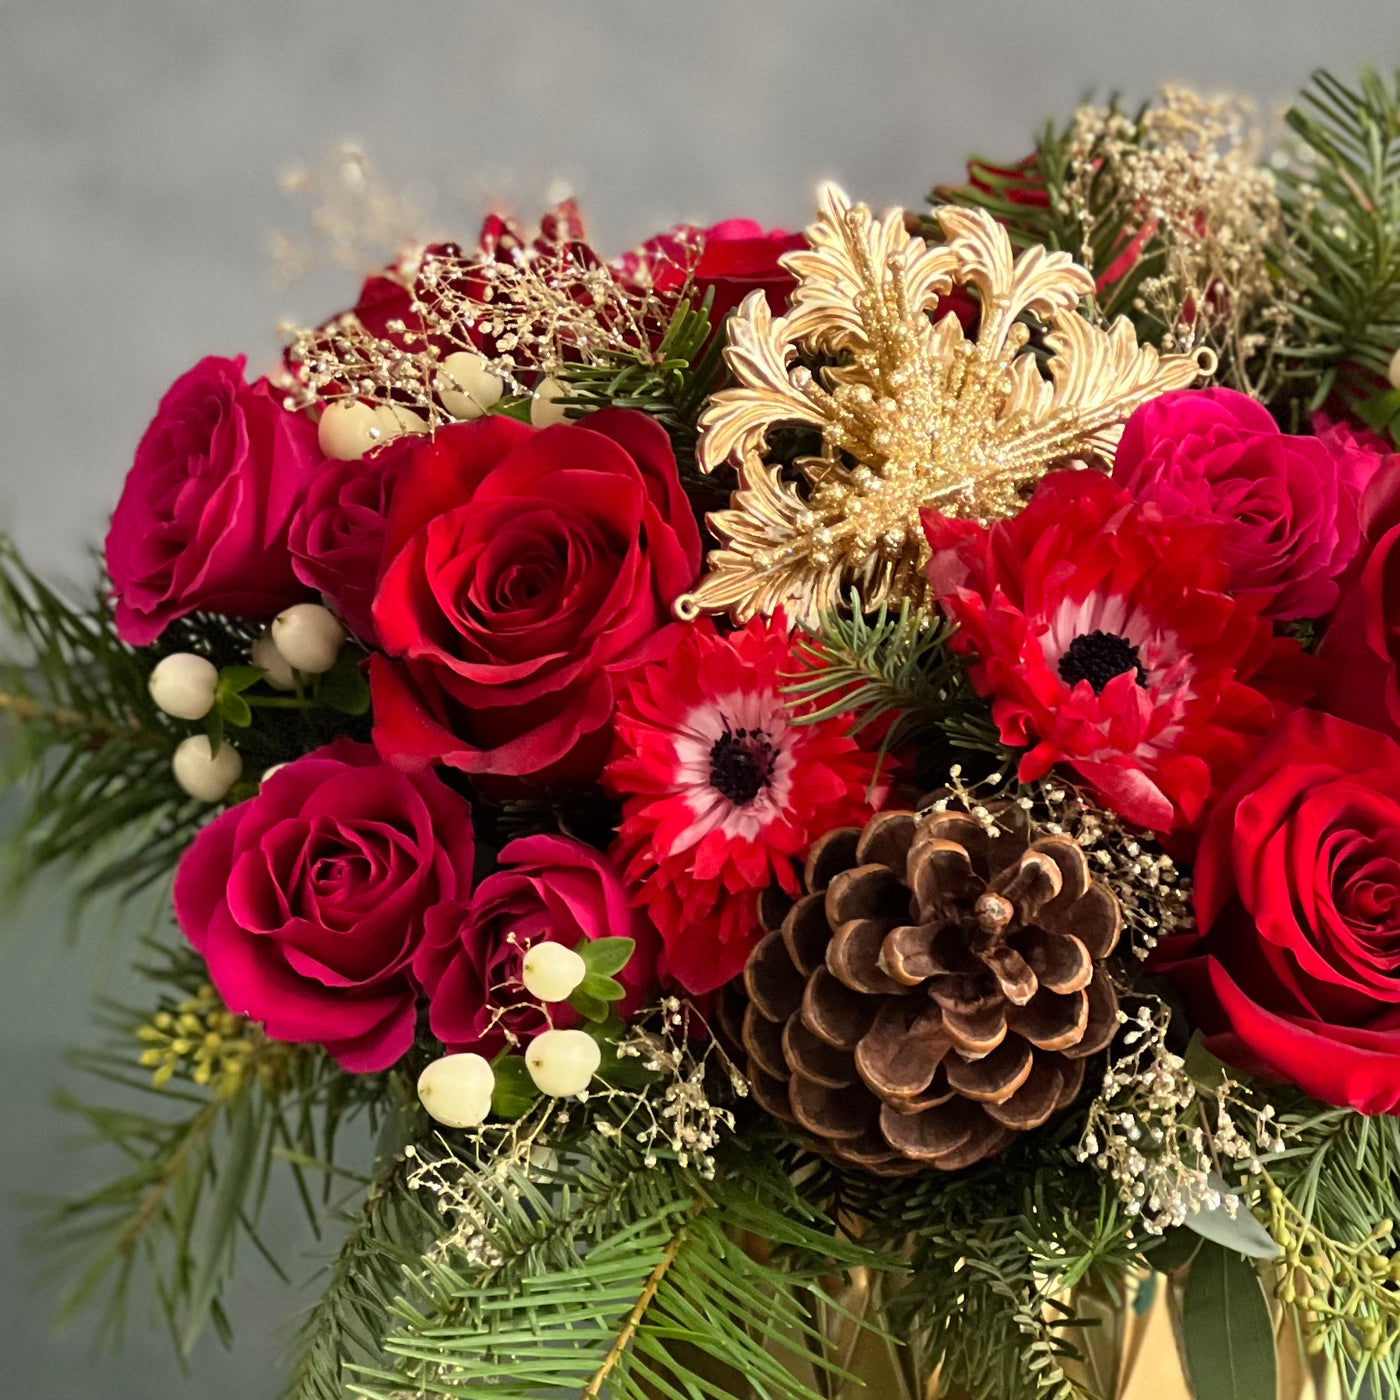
(609, 1279)
(199, 1164)
(1341, 202)
(895, 672)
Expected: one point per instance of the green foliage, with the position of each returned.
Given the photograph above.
(894, 670)
(669, 383)
(1228, 1334)
(94, 751)
(198, 1165)
(1341, 201)
(607, 1279)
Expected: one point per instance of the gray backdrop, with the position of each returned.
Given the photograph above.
(140, 145)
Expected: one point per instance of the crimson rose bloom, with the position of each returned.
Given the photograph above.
(1296, 971)
(1286, 506)
(202, 520)
(1106, 640)
(529, 574)
(307, 901)
(1361, 647)
(337, 535)
(549, 889)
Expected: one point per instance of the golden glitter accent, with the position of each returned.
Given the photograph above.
(912, 413)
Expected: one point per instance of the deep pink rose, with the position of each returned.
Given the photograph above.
(203, 516)
(337, 535)
(1287, 506)
(528, 575)
(308, 900)
(1296, 970)
(1361, 647)
(550, 889)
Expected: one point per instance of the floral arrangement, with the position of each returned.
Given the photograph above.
(833, 799)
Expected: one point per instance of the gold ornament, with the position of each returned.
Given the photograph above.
(911, 413)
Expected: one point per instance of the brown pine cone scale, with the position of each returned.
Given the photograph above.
(934, 993)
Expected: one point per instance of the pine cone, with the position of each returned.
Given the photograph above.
(934, 994)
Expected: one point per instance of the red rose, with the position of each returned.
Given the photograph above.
(529, 575)
(1287, 507)
(1361, 647)
(307, 901)
(202, 520)
(1296, 972)
(337, 535)
(550, 889)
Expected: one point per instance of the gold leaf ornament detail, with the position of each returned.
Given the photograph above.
(911, 412)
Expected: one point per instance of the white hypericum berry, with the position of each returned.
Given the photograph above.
(183, 685)
(203, 773)
(348, 429)
(308, 636)
(466, 385)
(562, 1063)
(547, 403)
(1395, 370)
(552, 972)
(456, 1090)
(393, 420)
(265, 654)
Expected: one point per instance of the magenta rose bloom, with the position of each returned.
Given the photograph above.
(203, 516)
(528, 575)
(550, 889)
(1287, 506)
(307, 901)
(337, 534)
(1361, 647)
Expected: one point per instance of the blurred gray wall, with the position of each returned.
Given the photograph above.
(140, 147)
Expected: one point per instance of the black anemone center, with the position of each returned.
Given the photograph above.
(741, 764)
(1097, 657)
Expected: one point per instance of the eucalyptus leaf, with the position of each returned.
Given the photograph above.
(1228, 1333)
(1241, 1231)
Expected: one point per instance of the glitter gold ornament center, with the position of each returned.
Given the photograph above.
(912, 413)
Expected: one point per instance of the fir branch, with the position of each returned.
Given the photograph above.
(1341, 200)
(199, 1162)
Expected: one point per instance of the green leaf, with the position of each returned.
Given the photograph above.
(590, 1007)
(515, 1092)
(1229, 1335)
(1241, 1231)
(604, 956)
(234, 708)
(603, 988)
(1175, 1250)
(214, 727)
(1202, 1066)
(517, 408)
(344, 687)
(233, 679)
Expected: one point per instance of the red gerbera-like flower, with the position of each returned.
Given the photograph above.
(722, 791)
(1106, 640)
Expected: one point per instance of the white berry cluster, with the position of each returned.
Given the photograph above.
(305, 637)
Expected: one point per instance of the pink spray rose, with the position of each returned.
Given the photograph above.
(202, 520)
(549, 889)
(337, 535)
(308, 901)
(1287, 506)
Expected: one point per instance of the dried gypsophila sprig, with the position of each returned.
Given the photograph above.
(674, 1115)
(529, 313)
(1168, 1141)
(1186, 177)
(355, 220)
(1153, 892)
